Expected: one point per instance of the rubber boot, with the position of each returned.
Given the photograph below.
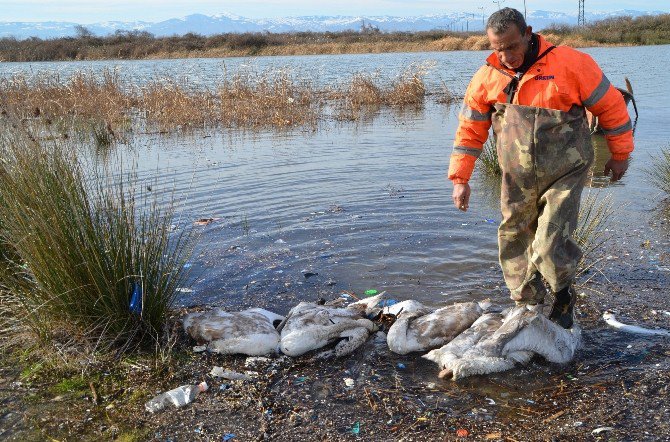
(563, 310)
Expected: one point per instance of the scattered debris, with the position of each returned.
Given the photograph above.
(178, 397)
(199, 348)
(462, 432)
(219, 372)
(601, 430)
(349, 382)
(205, 221)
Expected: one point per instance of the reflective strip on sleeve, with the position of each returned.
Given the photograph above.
(619, 130)
(468, 151)
(473, 114)
(598, 93)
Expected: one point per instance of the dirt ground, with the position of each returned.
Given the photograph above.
(615, 389)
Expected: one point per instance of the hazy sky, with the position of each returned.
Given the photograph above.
(89, 11)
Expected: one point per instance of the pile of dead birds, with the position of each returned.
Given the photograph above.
(464, 339)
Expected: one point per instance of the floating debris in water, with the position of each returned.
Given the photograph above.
(205, 221)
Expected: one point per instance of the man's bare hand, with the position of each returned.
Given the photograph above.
(618, 168)
(461, 196)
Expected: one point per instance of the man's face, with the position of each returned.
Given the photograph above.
(510, 46)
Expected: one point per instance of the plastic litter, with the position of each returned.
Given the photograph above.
(491, 221)
(136, 299)
(219, 372)
(462, 432)
(229, 436)
(178, 397)
(199, 348)
(356, 428)
(205, 221)
(349, 382)
(387, 302)
(401, 366)
(601, 430)
(371, 292)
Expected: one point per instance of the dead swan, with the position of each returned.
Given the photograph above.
(612, 322)
(525, 331)
(419, 329)
(251, 332)
(448, 354)
(309, 326)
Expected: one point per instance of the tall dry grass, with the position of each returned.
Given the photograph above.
(92, 260)
(82, 97)
(104, 107)
(271, 99)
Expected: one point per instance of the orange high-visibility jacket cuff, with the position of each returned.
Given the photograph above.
(620, 156)
(461, 167)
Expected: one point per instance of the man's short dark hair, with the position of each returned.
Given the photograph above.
(500, 21)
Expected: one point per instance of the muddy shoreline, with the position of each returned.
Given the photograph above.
(615, 389)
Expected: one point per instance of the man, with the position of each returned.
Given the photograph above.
(534, 95)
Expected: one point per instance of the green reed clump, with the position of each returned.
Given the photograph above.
(659, 172)
(488, 160)
(592, 234)
(86, 241)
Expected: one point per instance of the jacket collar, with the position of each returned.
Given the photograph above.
(544, 45)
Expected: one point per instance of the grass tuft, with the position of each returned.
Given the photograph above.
(659, 172)
(82, 242)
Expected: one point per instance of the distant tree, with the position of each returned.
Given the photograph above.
(83, 31)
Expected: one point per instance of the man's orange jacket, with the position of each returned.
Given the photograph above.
(561, 79)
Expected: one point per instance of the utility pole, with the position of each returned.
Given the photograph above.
(483, 24)
(525, 11)
(580, 18)
(499, 1)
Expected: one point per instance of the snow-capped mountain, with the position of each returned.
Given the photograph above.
(225, 22)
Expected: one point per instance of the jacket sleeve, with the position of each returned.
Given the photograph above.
(473, 129)
(605, 102)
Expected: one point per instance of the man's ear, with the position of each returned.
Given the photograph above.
(529, 31)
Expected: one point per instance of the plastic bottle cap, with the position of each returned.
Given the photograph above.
(203, 386)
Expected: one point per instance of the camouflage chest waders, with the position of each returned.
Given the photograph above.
(545, 155)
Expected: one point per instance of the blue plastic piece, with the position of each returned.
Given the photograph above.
(136, 299)
(387, 302)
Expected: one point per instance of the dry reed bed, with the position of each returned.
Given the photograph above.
(244, 100)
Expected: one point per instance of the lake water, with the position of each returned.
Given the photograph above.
(363, 205)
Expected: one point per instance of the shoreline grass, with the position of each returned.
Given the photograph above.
(659, 172)
(645, 30)
(94, 262)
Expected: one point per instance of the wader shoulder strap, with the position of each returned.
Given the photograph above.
(512, 86)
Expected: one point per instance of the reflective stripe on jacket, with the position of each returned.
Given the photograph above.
(561, 79)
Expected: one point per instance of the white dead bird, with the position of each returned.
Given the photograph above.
(420, 329)
(251, 332)
(448, 354)
(611, 320)
(525, 331)
(309, 326)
